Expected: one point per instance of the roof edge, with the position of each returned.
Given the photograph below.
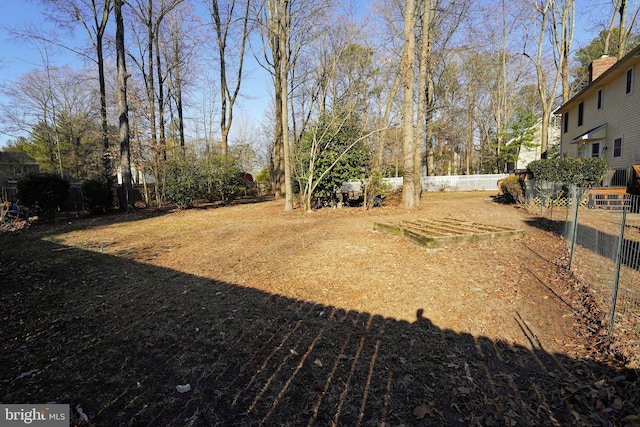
(619, 64)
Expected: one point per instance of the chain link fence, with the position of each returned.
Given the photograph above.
(602, 230)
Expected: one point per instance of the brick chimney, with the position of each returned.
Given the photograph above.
(600, 65)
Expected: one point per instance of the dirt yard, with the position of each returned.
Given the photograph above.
(287, 318)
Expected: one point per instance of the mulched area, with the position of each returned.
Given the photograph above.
(117, 335)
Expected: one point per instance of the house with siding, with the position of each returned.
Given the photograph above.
(528, 154)
(603, 119)
(13, 165)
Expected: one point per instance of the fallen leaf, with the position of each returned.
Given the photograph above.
(421, 410)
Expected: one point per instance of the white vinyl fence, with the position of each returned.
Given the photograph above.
(442, 183)
(462, 182)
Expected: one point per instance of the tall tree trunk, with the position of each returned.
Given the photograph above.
(227, 97)
(178, 86)
(564, 75)
(98, 26)
(284, 64)
(563, 29)
(161, 101)
(469, 132)
(276, 32)
(123, 110)
(221, 34)
(431, 162)
(423, 75)
(606, 48)
(151, 99)
(385, 120)
(622, 48)
(408, 81)
(279, 187)
(106, 148)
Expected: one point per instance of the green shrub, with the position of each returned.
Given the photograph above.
(329, 154)
(182, 180)
(221, 179)
(511, 189)
(375, 188)
(583, 172)
(48, 191)
(263, 176)
(97, 194)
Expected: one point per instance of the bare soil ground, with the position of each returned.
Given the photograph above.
(287, 318)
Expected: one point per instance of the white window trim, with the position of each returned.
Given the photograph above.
(590, 153)
(633, 77)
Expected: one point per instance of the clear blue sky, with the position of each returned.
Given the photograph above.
(18, 57)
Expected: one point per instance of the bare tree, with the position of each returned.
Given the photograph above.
(224, 24)
(123, 108)
(563, 13)
(93, 16)
(624, 34)
(425, 90)
(409, 199)
(438, 22)
(282, 14)
(182, 48)
(276, 25)
(150, 15)
(547, 82)
(620, 8)
(626, 20)
(34, 106)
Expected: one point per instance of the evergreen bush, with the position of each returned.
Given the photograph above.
(97, 194)
(583, 172)
(48, 191)
(183, 180)
(221, 179)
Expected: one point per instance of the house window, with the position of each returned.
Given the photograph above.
(600, 98)
(580, 113)
(595, 149)
(565, 122)
(617, 147)
(629, 80)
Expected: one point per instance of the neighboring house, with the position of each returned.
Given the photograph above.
(139, 176)
(603, 119)
(13, 165)
(528, 154)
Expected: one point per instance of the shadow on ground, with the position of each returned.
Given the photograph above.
(68, 220)
(117, 337)
(597, 241)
